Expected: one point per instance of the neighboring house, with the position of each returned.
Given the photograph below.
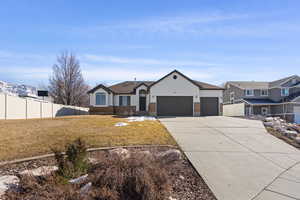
(173, 95)
(276, 98)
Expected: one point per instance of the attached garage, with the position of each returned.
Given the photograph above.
(209, 106)
(175, 106)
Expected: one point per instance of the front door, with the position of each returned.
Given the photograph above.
(142, 103)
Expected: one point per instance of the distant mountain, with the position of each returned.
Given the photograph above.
(18, 90)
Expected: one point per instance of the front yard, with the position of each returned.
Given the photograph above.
(25, 138)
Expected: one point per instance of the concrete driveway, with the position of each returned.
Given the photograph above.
(237, 158)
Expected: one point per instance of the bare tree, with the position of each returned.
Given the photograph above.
(67, 85)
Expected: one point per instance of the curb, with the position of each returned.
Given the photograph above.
(89, 150)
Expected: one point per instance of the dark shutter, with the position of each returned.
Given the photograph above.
(128, 101)
(120, 101)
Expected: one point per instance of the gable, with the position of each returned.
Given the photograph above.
(290, 83)
(174, 83)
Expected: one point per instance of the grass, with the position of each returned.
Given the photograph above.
(32, 137)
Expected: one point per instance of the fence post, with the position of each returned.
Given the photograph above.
(5, 106)
(41, 110)
(26, 109)
(52, 110)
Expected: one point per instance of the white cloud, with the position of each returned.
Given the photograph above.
(143, 61)
(94, 74)
(217, 23)
(181, 24)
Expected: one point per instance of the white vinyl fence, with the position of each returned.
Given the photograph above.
(234, 110)
(12, 107)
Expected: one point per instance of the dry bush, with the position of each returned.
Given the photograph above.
(139, 177)
(42, 188)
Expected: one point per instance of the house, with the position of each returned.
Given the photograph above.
(276, 98)
(173, 95)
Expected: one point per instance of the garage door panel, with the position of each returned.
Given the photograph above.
(209, 106)
(174, 105)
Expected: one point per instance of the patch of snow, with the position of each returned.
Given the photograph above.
(123, 153)
(121, 124)
(79, 179)
(140, 118)
(18, 90)
(7, 182)
(41, 171)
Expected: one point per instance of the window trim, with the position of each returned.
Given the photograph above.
(264, 94)
(101, 93)
(288, 92)
(249, 95)
(128, 100)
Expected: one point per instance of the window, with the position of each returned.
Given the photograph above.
(264, 92)
(231, 97)
(100, 98)
(124, 100)
(249, 92)
(284, 91)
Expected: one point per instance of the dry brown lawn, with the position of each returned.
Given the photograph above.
(25, 138)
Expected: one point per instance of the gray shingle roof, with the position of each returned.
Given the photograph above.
(128, 86)
(250, 84)
(280, 81)
(260, 85)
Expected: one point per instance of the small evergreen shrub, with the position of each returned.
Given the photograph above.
(75, 162)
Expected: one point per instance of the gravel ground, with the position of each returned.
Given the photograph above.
(186, 183)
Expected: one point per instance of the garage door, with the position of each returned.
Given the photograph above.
(174, 106)
(209, 106)
(297, 114)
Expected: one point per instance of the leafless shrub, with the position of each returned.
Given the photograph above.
(135, 178)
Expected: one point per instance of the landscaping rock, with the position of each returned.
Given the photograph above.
(297, 139)
(123, 153)
(79, 179)
(8, 182)
(170, 156)
(269, 124)
(269, 119)
(41, 171)
(85, 188)
(290, 134)
(93, 160)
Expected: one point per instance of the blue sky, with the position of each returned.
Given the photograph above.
(208, 40)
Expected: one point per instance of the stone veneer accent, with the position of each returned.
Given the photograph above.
(125, 110)
(101, 110)
(221, 109)
(152, 108)
(197, 109)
